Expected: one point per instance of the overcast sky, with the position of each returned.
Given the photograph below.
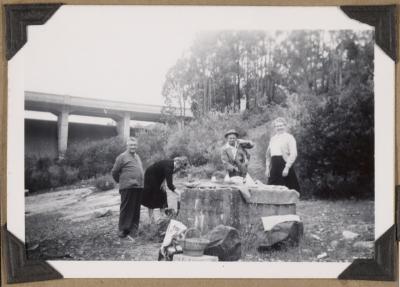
(104, 52)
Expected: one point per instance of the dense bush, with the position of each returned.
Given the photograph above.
(337, 146)
(202, 139)
(45, 173)
(204, 171)
(82, 161)
(94, 158)
(151, 144)
(104, 182)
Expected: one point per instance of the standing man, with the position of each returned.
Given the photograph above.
(128, 171)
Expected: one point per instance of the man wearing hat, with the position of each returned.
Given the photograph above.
(234, 155)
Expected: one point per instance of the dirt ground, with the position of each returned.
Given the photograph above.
(81, 224)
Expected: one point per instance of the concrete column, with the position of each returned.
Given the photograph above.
(123, 127)
(62, 131)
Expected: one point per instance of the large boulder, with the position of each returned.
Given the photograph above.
(224, 243)
(205, 207)
(284, 233)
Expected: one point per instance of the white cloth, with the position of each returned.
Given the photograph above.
(270, 221)
(249, 181)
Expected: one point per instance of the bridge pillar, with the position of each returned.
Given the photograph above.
(62, 125)
(123, 127)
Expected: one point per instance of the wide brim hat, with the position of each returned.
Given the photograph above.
(231, 132)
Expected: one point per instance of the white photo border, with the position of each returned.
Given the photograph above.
(300, 18)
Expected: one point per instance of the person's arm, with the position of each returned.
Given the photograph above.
(169, 178)
(245, 144)
(292, 152)
(116, 170)
(225, 161)
(140, 180)
(247, 155)
(139, 162)
(267, 161)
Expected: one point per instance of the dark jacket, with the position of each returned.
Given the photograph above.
(239, 160)
(158, 172)
(154, 193)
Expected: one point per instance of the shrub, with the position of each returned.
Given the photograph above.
(104, 183)
(151, 144)
(201, 140)
(37, 176)
(203, 172)
(56, 175)
(70, 175)
(45, 173)
(94, 158)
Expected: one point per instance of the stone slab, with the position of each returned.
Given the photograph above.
(183, 257)
(207, 207)
(273, 196)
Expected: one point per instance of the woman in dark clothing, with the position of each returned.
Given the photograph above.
(154, 192)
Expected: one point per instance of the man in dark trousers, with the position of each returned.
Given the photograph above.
(128, 171)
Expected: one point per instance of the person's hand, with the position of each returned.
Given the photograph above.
(178, 194)
(134, 182)
(285, 172)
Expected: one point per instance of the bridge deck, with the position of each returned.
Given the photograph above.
(54, 103)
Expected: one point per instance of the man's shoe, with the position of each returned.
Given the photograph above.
(122, 234)
(133, 233)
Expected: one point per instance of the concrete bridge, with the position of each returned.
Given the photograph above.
(121, 112)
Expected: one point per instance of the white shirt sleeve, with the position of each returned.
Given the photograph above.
(291, 141)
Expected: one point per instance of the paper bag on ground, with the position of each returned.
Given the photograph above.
(174, 229)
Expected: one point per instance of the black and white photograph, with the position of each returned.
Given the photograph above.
(217, 135)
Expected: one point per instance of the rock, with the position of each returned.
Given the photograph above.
(106, 213)
(33, 247)
(315, 237)
(205, 207)
(130, 238)
(348, 235)
(334, 244)
(306, 251)
(362, 245)
(224, 243)
(322, 255)
(284, 233)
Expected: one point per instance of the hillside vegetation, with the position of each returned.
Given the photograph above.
(322, 82)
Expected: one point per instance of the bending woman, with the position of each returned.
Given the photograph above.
(280, 156)
(154, 192)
